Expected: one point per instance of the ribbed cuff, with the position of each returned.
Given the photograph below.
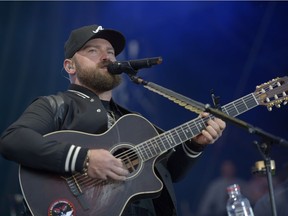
(195, 147)
(189, 152)
(75, 159)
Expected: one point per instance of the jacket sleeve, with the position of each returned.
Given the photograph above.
(24, 141)
(180, 160)
(179, 163)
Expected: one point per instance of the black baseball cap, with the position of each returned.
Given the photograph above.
(79, 37)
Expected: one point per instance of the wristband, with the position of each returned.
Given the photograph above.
(86, 163)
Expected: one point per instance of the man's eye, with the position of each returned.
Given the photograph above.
(92, 50)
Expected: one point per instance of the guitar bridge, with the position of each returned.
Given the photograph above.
(77, 191)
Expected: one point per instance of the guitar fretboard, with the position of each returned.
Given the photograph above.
(169, 139)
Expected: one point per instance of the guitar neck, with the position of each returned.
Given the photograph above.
(168, 140)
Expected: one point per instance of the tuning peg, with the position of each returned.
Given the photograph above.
(278, 105)
(277, 102)
(285, 98)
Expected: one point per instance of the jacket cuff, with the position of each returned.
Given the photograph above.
(75, 159)
(190, 153)
(195, 147)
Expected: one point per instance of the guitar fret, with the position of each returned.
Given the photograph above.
(224, 109)
(182, 134)
(187, 132)
(170, 139)
(235, 109)
(255, 100)
(145, 155)
(162, 144)
(194, 129)
(193, 132)
(143, 151)
(139, 153)
(153, 147)
(156, 146)
(176, 138)
(231, 110)
(198, 128)
(149, 151)
(248, 101)
(241, 105)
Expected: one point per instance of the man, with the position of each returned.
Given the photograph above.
(88, 107)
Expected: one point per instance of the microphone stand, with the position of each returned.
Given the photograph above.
(268, 139)
(264, 147)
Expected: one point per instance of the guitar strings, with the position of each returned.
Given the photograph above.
(150, 144)
(250, 103)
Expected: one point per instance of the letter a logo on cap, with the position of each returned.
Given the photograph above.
(99, 28)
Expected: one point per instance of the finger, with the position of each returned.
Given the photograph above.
(217, 124)
(214, 133)
(214, 125)
(221, 123)
(120, 162)
(120, 171)
(115, 176)
(204, 114)
(101, 176)
(207, 136)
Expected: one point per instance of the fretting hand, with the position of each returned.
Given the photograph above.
(212, 132)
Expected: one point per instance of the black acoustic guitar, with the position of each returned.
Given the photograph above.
(133, 139)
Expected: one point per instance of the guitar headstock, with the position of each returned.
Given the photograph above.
(273, 93)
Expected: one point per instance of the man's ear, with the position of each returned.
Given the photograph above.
(69, 66)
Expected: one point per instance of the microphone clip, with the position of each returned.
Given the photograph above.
(215, 100)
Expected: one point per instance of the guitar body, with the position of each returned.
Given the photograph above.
(49, 194)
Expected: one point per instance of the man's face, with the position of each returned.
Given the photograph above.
(91, 65)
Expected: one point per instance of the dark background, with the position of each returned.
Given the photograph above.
(230, 47)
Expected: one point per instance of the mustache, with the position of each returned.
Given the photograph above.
(104, 64)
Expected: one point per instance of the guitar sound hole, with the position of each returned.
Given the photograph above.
(129, 158)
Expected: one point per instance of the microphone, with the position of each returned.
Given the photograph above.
(132, 66)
